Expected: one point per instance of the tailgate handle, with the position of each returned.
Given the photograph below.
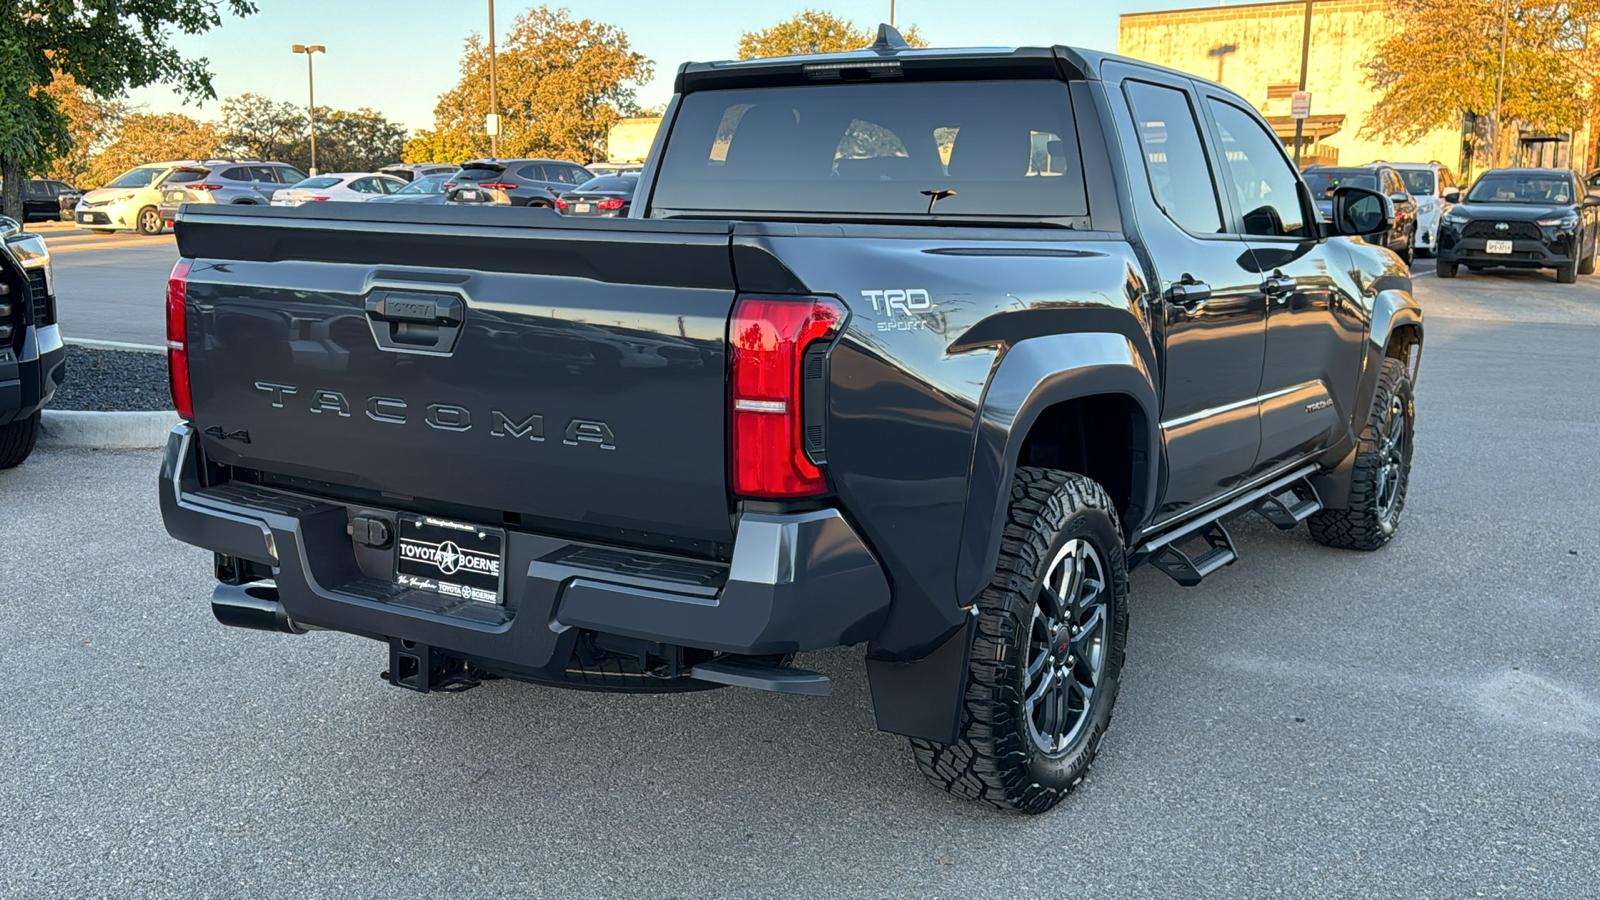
(403, 320)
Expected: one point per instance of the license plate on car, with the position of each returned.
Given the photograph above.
(1498, 247)
(581, 207)
(469, 195)
(450, 558)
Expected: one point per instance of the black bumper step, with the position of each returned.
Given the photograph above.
(763, 677)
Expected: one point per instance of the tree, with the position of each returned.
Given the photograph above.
(259, 127)
(107, 46)
(440, 146)
(1442, 59)
(813, 31)
(562, 84)
(153, 137)
(92, 124)
(357, 141)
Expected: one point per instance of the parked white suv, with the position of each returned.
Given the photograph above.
(1434, 188)
(133, 199)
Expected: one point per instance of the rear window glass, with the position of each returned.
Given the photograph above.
(1322, 184)
(991, 148)
(321, 181)
(185, 175)
(614, 183)
(477, 174)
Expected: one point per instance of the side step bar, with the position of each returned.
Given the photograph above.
(1285, 501)
(761, 677)
(1190, 571)
(1291, 506)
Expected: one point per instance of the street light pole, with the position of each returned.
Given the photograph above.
(1499, 80)
(1305, 58)
(311, 94)
(891, 13)
(494, 92)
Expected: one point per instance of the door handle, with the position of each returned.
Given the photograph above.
(1189, 294)
(1279, 286)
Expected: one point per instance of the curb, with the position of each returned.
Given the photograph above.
(115, 345)
(82, 430)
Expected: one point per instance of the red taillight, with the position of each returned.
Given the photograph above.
(767, 340)
(319, 198)
(206, 187)
(498, 186)
(560, 203)
(611, 203)
(178, 340)
(449, 184)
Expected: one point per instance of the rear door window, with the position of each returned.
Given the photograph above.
(984, 148)
(1175, 157)
(532, 172)
(238, 173)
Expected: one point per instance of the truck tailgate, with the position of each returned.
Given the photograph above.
(558, 374)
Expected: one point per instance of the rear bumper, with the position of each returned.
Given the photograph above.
(797, 582)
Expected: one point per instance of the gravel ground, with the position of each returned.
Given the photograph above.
(109, 380)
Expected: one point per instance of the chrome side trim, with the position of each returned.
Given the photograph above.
(1194, 417)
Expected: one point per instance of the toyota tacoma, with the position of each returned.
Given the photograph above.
(918, 350)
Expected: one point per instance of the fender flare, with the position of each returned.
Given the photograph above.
(1392, 309)
(1032, 376)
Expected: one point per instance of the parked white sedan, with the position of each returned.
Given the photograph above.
(350, 187)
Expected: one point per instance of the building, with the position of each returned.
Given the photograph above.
(630, 139)
(1254, 50)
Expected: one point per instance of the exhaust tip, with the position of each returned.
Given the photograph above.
(253, 606)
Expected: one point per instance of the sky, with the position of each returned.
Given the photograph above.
(398, 56)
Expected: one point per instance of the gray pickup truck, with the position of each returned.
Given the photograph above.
(32, 358)
(918, 350)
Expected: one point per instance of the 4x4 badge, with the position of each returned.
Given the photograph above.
(221, 434)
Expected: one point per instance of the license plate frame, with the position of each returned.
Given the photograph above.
(453, 559)
(580, 207)
(473, 196)
(1499, 247)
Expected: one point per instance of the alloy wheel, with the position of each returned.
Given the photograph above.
(1391, 463)
(1066, 648)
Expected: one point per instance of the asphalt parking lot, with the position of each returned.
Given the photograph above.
(1423, 722)
(110, 287)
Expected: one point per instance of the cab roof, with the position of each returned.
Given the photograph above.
(891, 57)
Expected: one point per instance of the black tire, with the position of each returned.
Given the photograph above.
(1424, 253)
(17, 440)
(148, 221)
(1410, 255)
(1445, 270)
(1567, 274)
(1586, 261)
(540, 204)
(1013, 752)
(1382, 470)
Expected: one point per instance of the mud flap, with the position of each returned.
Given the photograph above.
(922, 698)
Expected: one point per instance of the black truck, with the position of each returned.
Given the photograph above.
(32, 358)
(921, 350)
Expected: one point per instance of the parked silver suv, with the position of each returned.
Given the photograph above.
(249, 182)
(1433, 186)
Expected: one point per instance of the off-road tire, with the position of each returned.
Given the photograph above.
(1367, 522)
(142, 222)
(1567, 274)
(1445, 270)
(995, 759)
(17, 440)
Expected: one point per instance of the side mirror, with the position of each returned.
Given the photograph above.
(1398, 198)
(1592, 200)
(1358, 212)
(1452, 196)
